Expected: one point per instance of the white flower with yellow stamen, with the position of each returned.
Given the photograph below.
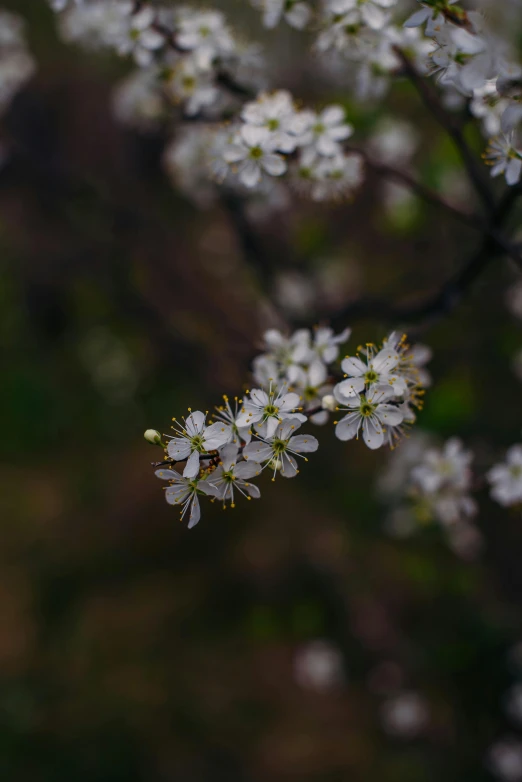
(196, 438)
(380, 369)
(183, 492)
(278, 452)
(369, 412)
(225, 413)
(231, 475)
(506, 479)
(266, 410)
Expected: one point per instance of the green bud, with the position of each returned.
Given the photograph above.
(152, 436)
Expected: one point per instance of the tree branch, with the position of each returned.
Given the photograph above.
(454, 130)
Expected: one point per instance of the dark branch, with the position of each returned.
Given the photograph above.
(431, 100)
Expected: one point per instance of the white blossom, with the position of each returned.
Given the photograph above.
(380, 368)
(267, 409)
(278, 451)
(370, 412)
(405, 715)
(205, 34)
(323, 131)
(191, 85)
(194, 438)
(252, 153)
(489, 106)
(275, 112)
(318, 665)
(505, 158)
(504, 759)
(506, 478)
(231, 475)
(184, 492)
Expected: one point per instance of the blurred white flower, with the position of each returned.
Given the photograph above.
(504, 759)
(506, 478)
(318, 666)
(405, 716)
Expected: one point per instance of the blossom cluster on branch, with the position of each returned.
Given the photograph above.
(246, 137)
(298, 381)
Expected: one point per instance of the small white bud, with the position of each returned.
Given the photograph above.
(153, 436)
(328, 402)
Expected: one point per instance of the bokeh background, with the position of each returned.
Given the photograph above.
(270, 642)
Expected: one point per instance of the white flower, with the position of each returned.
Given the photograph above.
(205, 34)
(313, 386)
(137, 100)
(455, 59)
(192, 85)
(266, 410)
(231, 475)
(368, 411)
(504, 759)
(323, 131)
(336, 177)
(196, 438)
(318, 666)
(505, 158)
(141, 38)
(506, 478)
(405, 715)
(326, 344)
(430, 13)
(275, 113)
(225, 413)
(279, 450)
(380, 369)
(449, 467)
(489, 106)
(412, 360)
(252, 153)
(183, 491)
(296, 12)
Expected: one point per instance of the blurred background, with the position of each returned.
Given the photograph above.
(293, 638)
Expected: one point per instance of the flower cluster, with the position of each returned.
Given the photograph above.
(16, 64)
(429, 484)
(274, 137)
(469, 59)
(297, 381)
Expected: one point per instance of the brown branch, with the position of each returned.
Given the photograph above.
(453, 128)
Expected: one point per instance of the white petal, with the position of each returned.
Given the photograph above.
(167, 475)
(228, 456)
(514, 171)
(418, 18)
(176, 494)
(385, 360)
(332, 115)
(347, 389)
(303, 443)
(178, 449)
(348, 426)
(216, 435)
(353, 366)
(258, 452)
(389, 415)
(250, 174)
(273, 165)
(246, 470)
(271, 425)
(195, 512)
(235, 153)
(373, 435)
(195, 423)
(192, 465)
(289, 468)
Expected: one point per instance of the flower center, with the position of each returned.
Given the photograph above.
(516, 471)
(272, 124)
(256, 153)
(271, 410)
(188, 83)
(197, 443)
(279, 447)
(366, 409)
(204, 32)
(319, 128)
(310, 393)
(371, 376)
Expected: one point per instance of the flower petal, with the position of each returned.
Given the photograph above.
(303, 443)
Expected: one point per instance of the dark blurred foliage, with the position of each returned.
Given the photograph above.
(133, 650)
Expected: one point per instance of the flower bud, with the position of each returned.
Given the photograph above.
(329, 402)
(152, 436)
